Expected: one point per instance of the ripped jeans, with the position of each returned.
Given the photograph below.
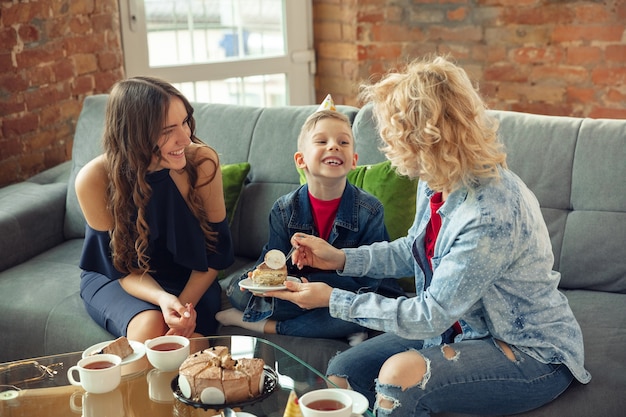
(475, 377)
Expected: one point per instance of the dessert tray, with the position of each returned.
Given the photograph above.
(269, 385)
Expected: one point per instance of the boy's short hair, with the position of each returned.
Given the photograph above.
(311, 121)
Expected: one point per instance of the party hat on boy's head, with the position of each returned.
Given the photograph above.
(327, 104)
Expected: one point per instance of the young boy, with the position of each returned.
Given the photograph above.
(327, 206)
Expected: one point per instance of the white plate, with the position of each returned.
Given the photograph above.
(359, 402)
(138, 350)
(247, 284)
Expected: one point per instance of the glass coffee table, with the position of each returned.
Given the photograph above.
(39, 387)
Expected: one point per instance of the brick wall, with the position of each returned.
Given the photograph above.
(52, 54)
(557, 57)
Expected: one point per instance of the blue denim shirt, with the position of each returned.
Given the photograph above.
(492, 270)
(359, 221)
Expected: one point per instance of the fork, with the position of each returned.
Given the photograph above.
(291, 251)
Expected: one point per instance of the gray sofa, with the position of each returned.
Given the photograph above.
(576, 167)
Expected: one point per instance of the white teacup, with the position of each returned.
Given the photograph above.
(109, 404)
(97, 374)
(167, 353)
(329, 402)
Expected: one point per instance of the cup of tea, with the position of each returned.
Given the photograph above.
(97, 373)
(167, 353)
(329, 402)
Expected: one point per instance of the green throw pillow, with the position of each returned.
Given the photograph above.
(233, 177)
(397, 194)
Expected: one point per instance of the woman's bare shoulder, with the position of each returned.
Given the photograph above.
(93, 174)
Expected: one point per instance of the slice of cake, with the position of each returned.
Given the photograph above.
(119, 347)
(273, 271)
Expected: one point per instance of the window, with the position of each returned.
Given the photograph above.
(249, 52)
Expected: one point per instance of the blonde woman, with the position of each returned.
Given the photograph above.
(156, 231)
(487, 332)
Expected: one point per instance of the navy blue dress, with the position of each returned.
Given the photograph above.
(176, 247)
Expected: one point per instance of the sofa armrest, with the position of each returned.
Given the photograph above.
(31, 220)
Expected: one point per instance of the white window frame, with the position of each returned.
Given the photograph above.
(298, 63)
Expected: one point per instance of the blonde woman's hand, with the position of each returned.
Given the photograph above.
(316, 252)
(307, 295)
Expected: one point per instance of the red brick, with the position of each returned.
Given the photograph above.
(506, 72)
(15, 13)
(6, 62)
(10, 147)
(20, 125)
(80, 25)
(536, 55)
(82, 85)
(581, 55)
(616, 96)
(593, 13)
(394, 33)
(36, 76)
(8, 38)
(29, 33)
(607, 113)
(560, 74)
(31, 57)
(615, 53)
(457, 15)
(384, 51)
(577, 33)
(103, 22)
(463, 33)
(85, 63)
(535, 16)
(609, 76)
(12, 83)
(581, 94)
(82, 7)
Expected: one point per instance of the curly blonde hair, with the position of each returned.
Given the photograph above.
(434, 126)
(135, 115)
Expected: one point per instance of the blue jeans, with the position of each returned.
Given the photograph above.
(480, 379)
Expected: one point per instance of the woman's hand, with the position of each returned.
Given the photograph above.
(316, 252)
(181, 319)
(307, 295)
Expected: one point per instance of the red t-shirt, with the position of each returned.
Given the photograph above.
(432, 231)
(324, 212)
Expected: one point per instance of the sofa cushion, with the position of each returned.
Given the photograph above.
(87, 145)
(572, 166)
(233, 177)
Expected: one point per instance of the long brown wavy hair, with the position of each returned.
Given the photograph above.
(135, 115)
(434, 125)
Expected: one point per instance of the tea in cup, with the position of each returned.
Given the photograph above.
(167, 353)
(329, 402)
(97, 373)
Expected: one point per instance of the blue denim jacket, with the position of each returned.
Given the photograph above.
(492, 270)
(359, 221)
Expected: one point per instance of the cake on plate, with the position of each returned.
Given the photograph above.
(212, 376)
(119, 347)
(273, 271)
